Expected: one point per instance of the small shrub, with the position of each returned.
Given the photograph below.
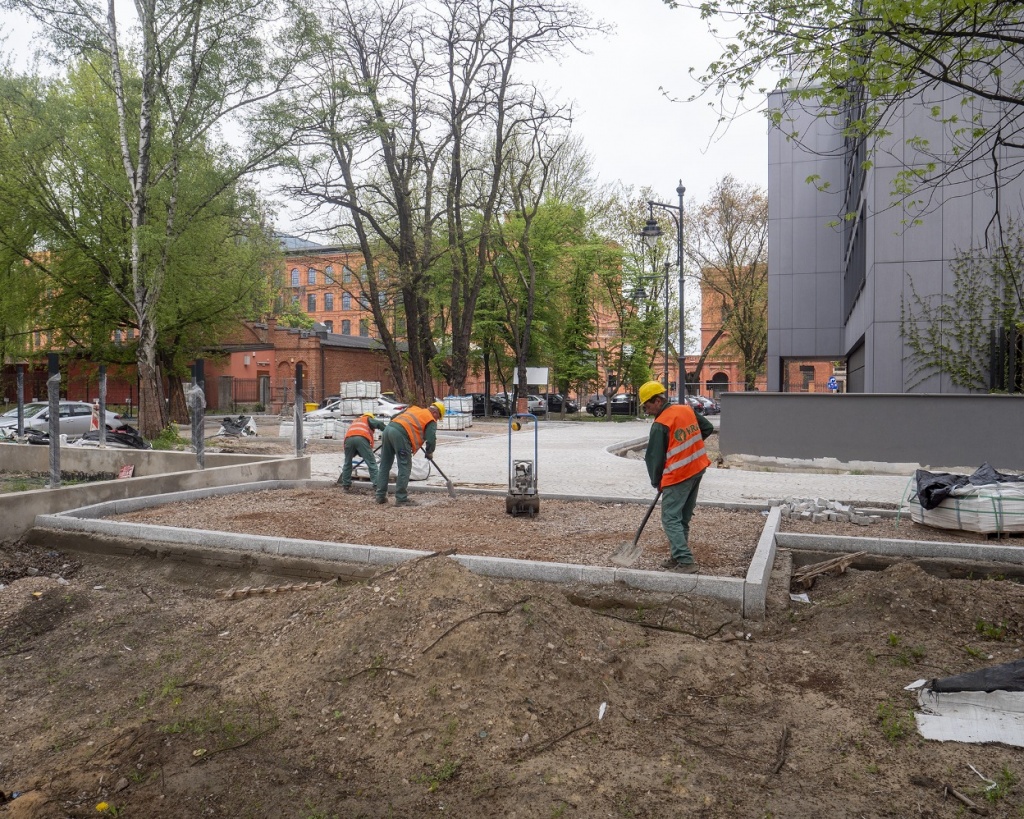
(169, 439)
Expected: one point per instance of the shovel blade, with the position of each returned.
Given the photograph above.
(451, 489)
(626, 554)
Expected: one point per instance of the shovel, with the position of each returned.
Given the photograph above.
(451, 487)
(627, 553)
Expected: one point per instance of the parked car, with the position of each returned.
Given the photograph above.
(556, 400)
(711, 406)
(695, 404)
(388, 407)
(75, 418)
(501, 402)
(621, 404)
(385, 408)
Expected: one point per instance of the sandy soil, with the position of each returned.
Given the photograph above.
(430, 691)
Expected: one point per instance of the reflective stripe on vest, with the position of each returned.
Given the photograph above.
(686, 455)
(360, 427)
(414, 421)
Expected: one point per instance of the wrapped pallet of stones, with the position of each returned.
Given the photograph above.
(460, 409)
(360, 389)
(986, 501)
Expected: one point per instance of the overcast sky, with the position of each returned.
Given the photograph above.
(634, 133)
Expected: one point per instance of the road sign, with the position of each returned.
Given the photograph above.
(833, 384)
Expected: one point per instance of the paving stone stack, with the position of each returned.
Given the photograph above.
(819, 510)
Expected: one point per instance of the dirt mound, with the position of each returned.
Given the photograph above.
(429, 690)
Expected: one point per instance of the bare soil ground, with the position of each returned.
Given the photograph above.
(431, 691)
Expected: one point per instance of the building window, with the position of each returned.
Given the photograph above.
(295, 299)
(807, 374)
(382, 298)
(329, 274)
(346, 275)
(295, 277)
(346, 327)
(328, 301)
(364, 327)
(311, 303)
(400, 326)
(329, 325)
(364, 302)
(311, 276)
(346, 301)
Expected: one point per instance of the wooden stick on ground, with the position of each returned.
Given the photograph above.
(804, 577)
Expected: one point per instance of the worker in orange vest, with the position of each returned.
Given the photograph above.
(407, 432)
(676, 461)
(359, 441)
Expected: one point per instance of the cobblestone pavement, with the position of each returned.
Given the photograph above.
(580, 459)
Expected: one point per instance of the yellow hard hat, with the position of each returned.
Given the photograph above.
(649, 390)
(440, 407)
(367, 415)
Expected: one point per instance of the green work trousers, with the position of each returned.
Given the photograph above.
(395, 444)
(358, 446)
(677, 504)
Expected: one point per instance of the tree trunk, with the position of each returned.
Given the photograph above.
(153, 417)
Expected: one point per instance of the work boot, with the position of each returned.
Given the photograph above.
(381, 498)
(406, 502)
(673, 565)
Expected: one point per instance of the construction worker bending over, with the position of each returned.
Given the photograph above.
(359, 441)
(407, 432)
(676, 462)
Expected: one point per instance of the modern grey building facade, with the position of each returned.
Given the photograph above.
(836, 286)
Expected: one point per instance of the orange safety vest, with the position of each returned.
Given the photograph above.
(360, 427)
(414, 421)
(686, 455)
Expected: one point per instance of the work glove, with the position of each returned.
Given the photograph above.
(429, 456)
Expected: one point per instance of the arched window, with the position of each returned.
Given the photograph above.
(311, 303)
(295, 277)
(328, 301)
(346, 301)
(364, 327)
(329, 325)
(311, 276)
(346, 327)
(346, 275)
(329, 274)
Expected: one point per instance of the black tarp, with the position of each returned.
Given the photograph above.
(1005, 677)
(934, 487)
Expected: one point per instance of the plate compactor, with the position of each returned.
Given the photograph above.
(522, 498)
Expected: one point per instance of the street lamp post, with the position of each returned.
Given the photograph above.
(651, 234)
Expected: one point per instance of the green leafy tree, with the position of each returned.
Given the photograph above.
(953, 335)
(860, 62)
(176, 74)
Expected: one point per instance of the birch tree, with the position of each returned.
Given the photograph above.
(181, 74)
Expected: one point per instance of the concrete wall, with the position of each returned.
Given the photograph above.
(18, 510)
(957, 432)
(90, 460)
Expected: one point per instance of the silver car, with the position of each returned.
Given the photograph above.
(75, 418)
